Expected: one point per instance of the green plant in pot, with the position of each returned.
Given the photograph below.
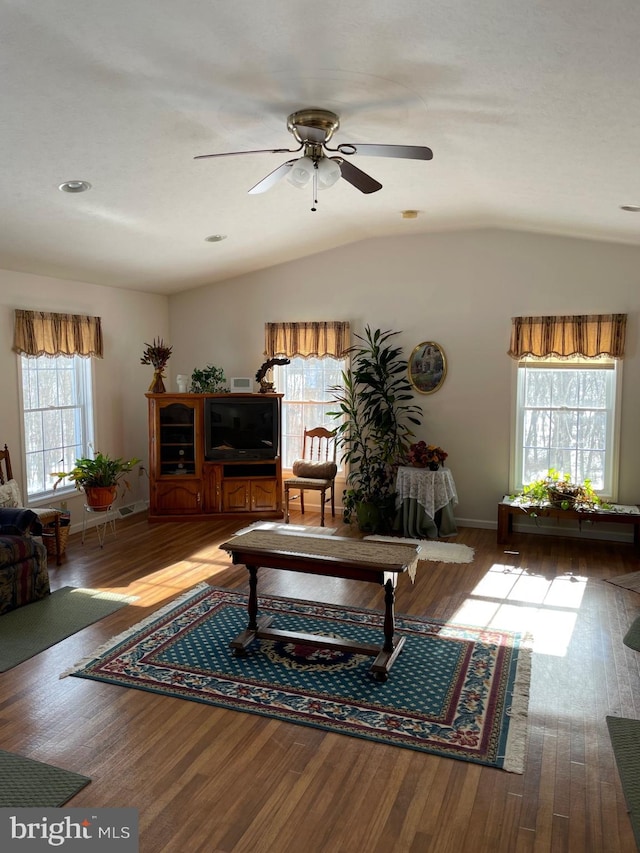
(375, 414)
(208, 380)
(99, 477)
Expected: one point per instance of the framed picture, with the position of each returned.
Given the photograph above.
(427, 367)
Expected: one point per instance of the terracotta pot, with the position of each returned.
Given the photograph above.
(100, 497)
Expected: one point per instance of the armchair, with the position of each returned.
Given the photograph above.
(11, 496)
(23, 559)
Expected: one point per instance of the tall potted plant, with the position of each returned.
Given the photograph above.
(98, 476)
(375, 414)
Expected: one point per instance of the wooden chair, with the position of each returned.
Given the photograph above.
(316, 471)
(46, 515)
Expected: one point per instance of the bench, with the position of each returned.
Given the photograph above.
(618, 514)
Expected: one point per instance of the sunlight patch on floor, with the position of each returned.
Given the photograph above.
(513, 599)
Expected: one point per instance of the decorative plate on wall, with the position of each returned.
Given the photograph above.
(427, 367)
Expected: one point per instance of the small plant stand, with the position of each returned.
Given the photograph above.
(105, 517)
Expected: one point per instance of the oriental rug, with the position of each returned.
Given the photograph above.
(455, 690)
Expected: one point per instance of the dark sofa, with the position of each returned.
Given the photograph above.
(23, 559)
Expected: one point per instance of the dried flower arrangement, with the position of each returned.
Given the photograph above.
(156, 354)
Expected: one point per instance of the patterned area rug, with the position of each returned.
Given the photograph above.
(456, 691)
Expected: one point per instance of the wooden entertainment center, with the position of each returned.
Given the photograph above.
(185, 485)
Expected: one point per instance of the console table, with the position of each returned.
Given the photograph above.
(618, 514)
(333, 556)
(425, 502)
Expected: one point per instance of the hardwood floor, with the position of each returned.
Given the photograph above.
(208, 779)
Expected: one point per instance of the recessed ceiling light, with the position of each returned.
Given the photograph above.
(215, 238)
(75, 186)
(631, 208)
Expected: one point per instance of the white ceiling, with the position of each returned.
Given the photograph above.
(532, 111)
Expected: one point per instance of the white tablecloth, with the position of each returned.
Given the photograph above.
(432, 489)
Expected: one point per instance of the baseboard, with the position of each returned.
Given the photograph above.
(613, 533)
(118, 512)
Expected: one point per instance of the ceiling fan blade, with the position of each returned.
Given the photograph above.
(258, 151)
(272, 178)
(357, 178)
(410, 152)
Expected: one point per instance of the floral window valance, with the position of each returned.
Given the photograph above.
(44, 333)
(586, 335)
(309, 340)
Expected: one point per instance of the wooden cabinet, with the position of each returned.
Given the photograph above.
(175, 455)
(251, 487)
(184, 485)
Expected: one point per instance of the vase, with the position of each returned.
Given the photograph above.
(157, 386)
(434, 466)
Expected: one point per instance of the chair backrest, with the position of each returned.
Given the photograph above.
(319, 445)
(6, 474)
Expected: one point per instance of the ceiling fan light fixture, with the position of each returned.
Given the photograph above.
(301, 172)
(328, 173)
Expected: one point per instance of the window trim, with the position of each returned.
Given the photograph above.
(515, 459)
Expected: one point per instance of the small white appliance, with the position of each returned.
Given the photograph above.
(241, 385)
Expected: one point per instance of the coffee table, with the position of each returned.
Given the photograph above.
(332, 556)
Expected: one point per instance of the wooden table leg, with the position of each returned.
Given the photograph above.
(390, 649)
(246, 637)
(505, 523)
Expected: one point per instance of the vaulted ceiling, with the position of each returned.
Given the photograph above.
(532, 111)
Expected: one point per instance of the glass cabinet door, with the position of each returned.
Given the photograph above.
(177, 440)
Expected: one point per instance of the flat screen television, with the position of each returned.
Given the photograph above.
(238, 427)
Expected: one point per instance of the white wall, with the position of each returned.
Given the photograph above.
(458, 289)
(129, 319)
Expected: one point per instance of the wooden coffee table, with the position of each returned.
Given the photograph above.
(333, 556)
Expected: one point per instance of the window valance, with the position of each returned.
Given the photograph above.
(309, 340)
(587, 335)
(45, 333)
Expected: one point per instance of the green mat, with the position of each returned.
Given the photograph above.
(28, 630)
(25, 783)
(632, 637)
(625, 739)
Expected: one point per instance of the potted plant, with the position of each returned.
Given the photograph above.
(375, 416)
(208, 380)
(558, 491)
(98, 476)
(423, 455)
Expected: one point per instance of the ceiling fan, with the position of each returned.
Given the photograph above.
(313, 129)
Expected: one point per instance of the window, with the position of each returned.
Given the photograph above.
(57, 408)
(305, 383)
(567, 416)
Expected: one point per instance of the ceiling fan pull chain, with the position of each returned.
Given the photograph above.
(315, 186)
